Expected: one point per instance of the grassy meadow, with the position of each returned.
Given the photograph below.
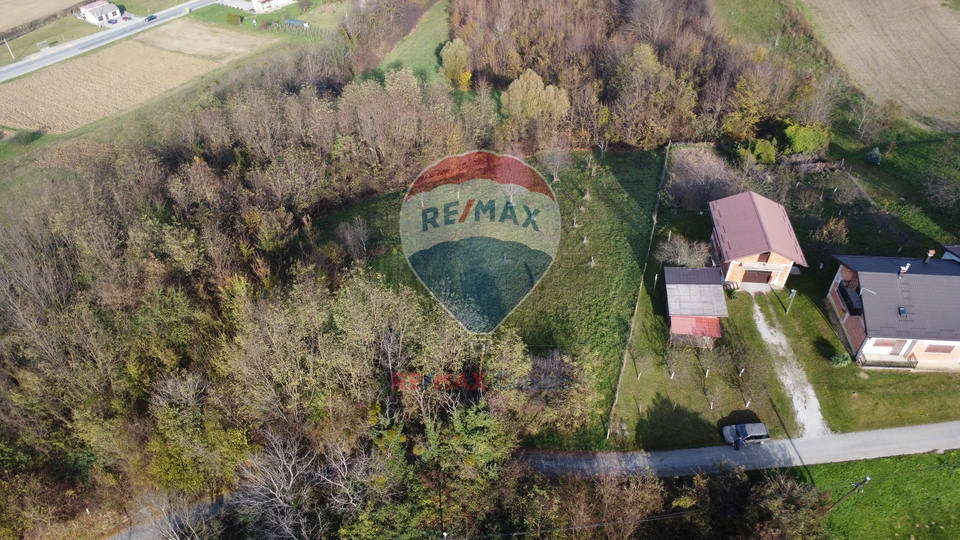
(420, 51)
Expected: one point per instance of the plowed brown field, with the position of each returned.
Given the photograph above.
(17, 12)
(71, 94)
(76, 92)
(908, 50)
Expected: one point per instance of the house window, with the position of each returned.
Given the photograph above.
(885, 343)
(763, 257)
(939, 349)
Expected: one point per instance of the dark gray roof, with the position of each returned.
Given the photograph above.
(749, 224)
(695, 292)
(929, 293)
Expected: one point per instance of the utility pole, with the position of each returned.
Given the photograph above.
(8, 48)
(856, 486)
(793, 294)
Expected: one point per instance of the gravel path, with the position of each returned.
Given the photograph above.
(805, 402)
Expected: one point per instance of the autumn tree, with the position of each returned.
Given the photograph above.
(453, 63)
(748, 106)
(533, 109)
(652, 104)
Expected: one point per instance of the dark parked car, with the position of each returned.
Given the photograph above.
(150, 18)
(112, 21)
(741, 434)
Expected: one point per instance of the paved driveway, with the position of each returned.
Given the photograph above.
(774, 454)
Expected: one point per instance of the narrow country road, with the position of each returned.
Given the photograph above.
(774, 454)
(56, 54)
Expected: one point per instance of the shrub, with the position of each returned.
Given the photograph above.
(873, 156)
(842, 358)
(758, 151)
(812, 138)
(234, 19)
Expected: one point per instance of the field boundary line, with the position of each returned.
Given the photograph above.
(636, 305)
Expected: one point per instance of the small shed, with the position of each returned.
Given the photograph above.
(695, 303)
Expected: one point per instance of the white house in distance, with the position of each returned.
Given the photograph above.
(99, 12)
(266, 6)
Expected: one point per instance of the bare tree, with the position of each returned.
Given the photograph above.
(277, 490)
(557, 156)
(679, 250)
(178, 517)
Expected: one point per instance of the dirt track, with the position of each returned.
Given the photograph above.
(900, 50)
(17, 12)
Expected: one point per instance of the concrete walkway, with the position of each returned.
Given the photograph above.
(774, 454)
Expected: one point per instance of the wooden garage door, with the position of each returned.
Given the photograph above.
(756, 277)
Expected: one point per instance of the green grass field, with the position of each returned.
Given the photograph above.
(907, 497)
(776, 25)
(420, 51)
(320, 17)
(56, 33)
(143, 8)
(853, 399)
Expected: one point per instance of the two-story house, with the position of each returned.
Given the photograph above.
(899, 312)
(754, 240)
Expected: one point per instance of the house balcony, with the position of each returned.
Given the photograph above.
(885, 361)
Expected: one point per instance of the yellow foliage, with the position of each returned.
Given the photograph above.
(464, 80)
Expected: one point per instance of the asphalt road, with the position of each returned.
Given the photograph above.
(56, 54)
(773, 454)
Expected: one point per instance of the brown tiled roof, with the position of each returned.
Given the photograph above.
(748, 224)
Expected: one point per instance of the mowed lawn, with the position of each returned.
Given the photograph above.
(420, 51)
(56, 33)
(907, 496)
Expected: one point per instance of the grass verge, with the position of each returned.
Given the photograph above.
(56, 33)
(907, 496)
(143, 8)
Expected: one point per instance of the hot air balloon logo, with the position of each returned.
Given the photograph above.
(480, 231)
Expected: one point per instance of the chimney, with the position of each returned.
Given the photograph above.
(930, 255)
(903, 270)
